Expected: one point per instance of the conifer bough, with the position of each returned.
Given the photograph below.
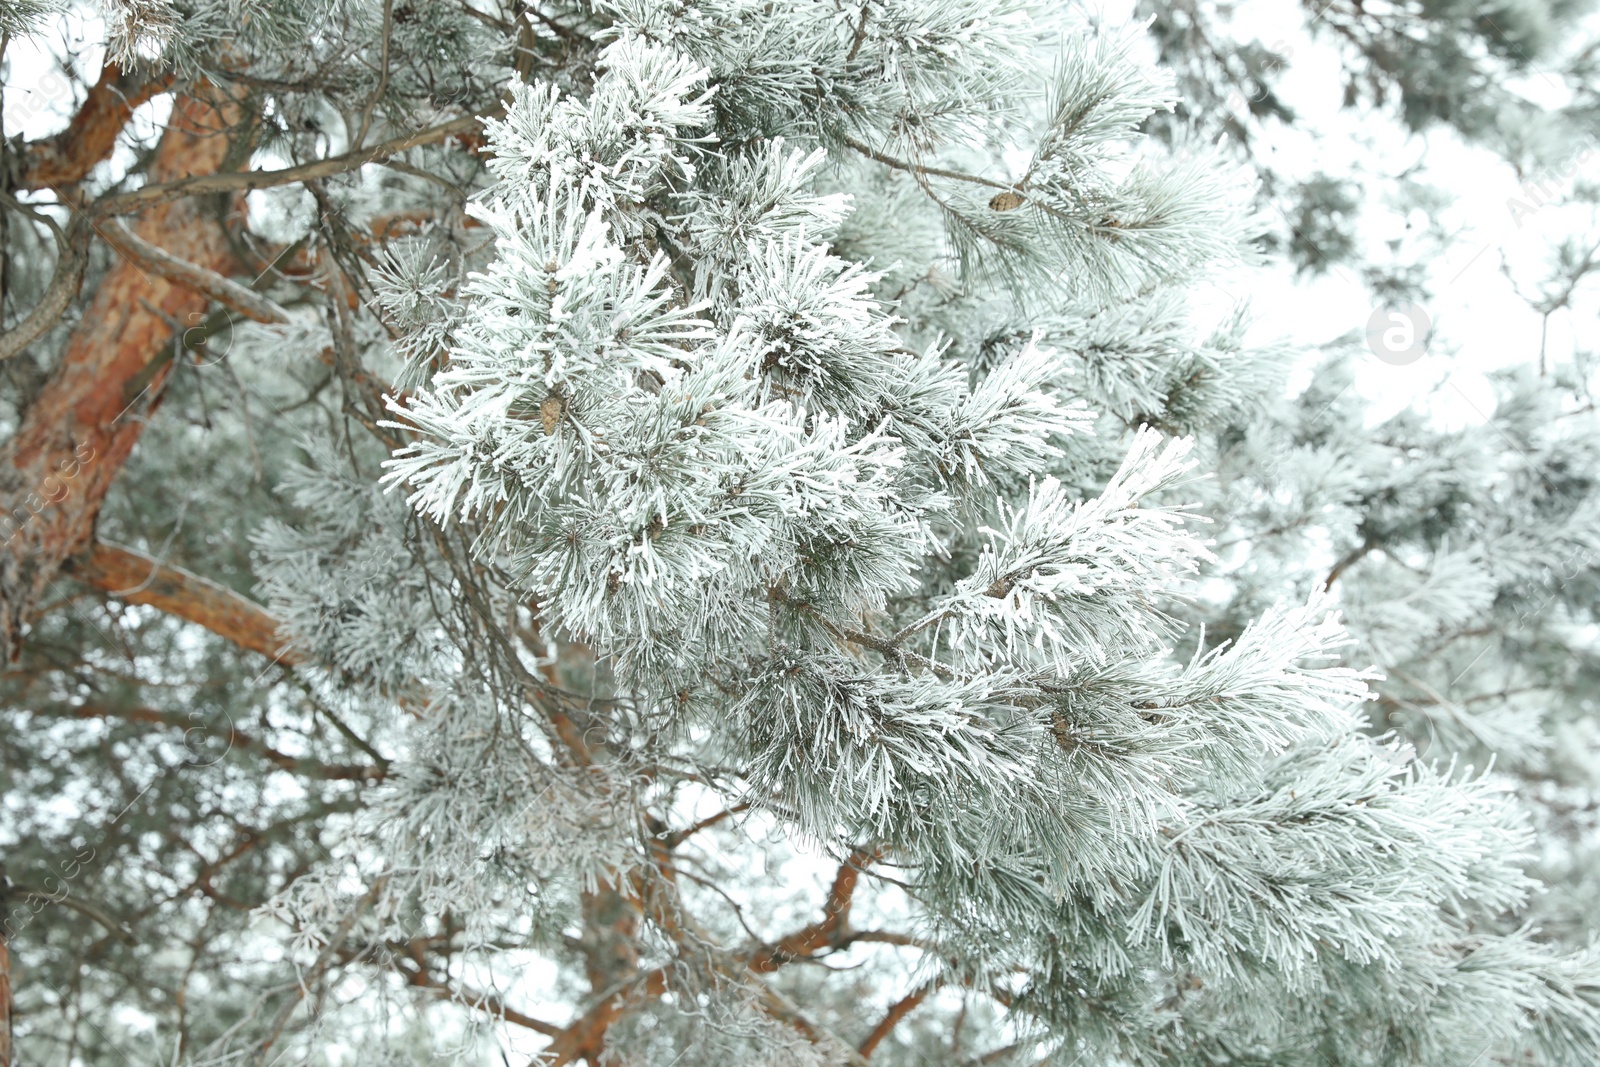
(728, 540)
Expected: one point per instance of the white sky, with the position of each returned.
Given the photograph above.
(1480, 322)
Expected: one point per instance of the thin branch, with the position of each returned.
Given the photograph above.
(244, 181)
(738, 910)
(902, 1007)
(994, 1055)
(118, 929)
(585, 1035)
(487, 19)
(887, 647)
(860, 34)
(1349, 559)
(678, 837)
(923, 170)
(785, 1010)
(324, 960)
(883, 937)
(312, 768)
(63, 287)
(209, 283)
(831, 931)
(556, 27)
(490, 1005)
(383, 75)
(467, 222)
(339, 724)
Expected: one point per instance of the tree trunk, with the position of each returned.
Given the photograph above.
(5, 1003)
(56, 469)
(5, 969)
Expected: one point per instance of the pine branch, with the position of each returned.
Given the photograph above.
(248, 180)
(304, 766)
(902, 1007)
(191, 275)
(135, 578)
(70, 155)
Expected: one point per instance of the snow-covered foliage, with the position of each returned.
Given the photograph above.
(894, 593)
(767, 567)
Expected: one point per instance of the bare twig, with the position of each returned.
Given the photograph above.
(922, 169)
(383, 75)
(117, 928)
(678, 837)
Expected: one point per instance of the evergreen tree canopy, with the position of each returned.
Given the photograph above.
(721, 533)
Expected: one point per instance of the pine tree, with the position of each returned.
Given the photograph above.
(727, 504)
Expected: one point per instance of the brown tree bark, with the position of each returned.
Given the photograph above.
(135, 578)
(91, 135)
(56, 469)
